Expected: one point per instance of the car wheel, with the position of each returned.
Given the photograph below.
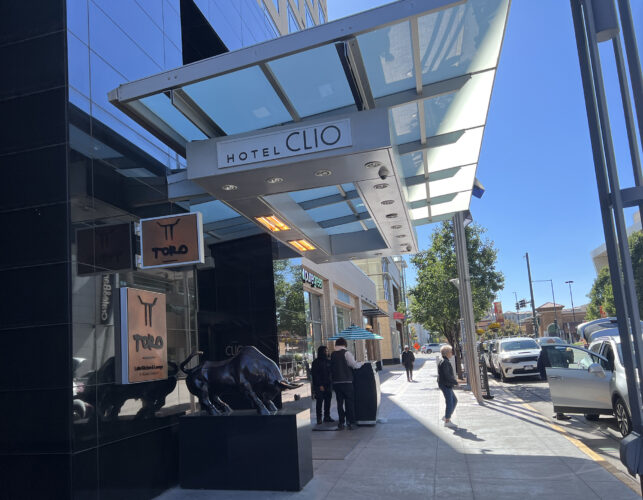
(622, 417)
(592, 417)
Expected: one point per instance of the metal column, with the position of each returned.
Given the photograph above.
(611, 202)
(466, 306)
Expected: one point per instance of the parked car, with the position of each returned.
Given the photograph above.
(430, 348)
(515, 357)
(593, 383)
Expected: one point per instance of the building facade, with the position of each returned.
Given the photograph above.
(75, 168)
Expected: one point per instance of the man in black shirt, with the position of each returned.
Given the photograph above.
(322, 384)
(407, 360)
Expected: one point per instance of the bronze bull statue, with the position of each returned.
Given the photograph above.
(249, 371)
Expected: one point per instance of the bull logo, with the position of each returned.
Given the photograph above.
(169, 229)
(148, 310)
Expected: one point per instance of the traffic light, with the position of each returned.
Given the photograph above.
(517, 305)
(523, 303)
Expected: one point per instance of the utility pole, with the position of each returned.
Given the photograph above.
(573, 313)
(533, 306)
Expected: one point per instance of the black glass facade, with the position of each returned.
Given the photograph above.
(73, 169)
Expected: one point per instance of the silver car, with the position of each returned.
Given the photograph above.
(591, 381)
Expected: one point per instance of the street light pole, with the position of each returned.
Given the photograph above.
(572, 299)
(533, 305)
(518, 313)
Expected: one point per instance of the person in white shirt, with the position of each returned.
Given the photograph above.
(342, 363)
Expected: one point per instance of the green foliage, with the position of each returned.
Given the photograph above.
(434, 300)
(602, 294)
(289, 298)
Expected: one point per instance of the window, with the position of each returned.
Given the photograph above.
(343, 296)
(517, 345)
(293, 25)
(309, 18)
(343, 318)
(322, 17)
(570, 357)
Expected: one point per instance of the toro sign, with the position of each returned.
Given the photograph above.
(171, 241)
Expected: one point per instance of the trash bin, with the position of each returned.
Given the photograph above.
(366, 382)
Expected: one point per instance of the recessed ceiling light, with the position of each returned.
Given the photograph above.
(323, 173)
(383, 185)
(373, 164)
(388, 202)
(396, 226)
(391, 216)
(401, 236)
(274, 180)
(229, 187)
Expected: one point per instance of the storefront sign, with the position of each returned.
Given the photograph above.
(311, 279)
(398, 315)
(284, 144)
(142, 351)
(106, 298)
(172, 241)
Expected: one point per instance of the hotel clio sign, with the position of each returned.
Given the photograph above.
(171, 241)
(284, 144)
(142, 351)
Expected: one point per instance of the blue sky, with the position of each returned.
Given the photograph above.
(536, 161)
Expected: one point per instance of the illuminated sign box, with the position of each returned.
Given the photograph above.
(175, 240)
(141, 352)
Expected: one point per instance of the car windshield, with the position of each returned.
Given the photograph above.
(516, 345)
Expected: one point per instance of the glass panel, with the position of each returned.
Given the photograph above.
(388, 59)
(460, 202)
(329, 212)
(313, 80)
(352, 227)
(419, 213)
(461, 181)
(309, 18)
(417, 192)
(161, 105)
(464, 109)
(406, 126)
(312, 194)
(463, 39)
(322, 16)
(276, 2)
(240, 101)
(214, 211)
(343, 296)
(570, 357)
(412, 164)
(462, 152)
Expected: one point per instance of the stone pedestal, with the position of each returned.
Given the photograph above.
(246, 451)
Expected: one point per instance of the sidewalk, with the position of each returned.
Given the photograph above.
(501, 450)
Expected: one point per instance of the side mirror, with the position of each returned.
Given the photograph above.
(596, 369)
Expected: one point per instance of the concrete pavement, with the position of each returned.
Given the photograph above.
(500, 450)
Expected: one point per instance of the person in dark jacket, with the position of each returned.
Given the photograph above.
(342, 364)
(446, 383)
(322, 384)
(407, 360)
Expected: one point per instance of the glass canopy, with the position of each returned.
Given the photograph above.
(431, 64)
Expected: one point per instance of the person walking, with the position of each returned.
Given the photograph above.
(408, 358)
(446, 383)
(322, 387)
(341, 364)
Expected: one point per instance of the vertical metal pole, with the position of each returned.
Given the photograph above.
(591, 107)
(551, 282)
(466, 305)
(633, 60)
(572, 299)
(518, 312)
(533, 305)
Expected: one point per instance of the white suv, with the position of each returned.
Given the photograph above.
(515, 357)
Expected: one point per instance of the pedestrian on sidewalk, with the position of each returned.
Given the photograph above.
(407, 360)
(322, 386)
(341, 364)
(446, 383)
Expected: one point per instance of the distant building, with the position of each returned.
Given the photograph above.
(599, 255)
(549, 314)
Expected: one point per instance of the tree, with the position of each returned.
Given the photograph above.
(434, 299)
(602, 295)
